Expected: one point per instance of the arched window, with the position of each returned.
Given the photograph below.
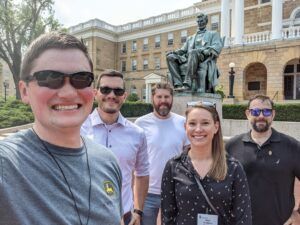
(297, 16)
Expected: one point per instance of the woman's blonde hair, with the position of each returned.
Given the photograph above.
(218, 170)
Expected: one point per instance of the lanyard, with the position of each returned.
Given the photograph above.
(65, 178)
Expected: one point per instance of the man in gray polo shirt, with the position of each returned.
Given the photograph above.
(49, 174)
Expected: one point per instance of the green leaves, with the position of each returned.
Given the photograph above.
(14, 112)
(20, 23)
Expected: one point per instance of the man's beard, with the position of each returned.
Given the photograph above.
(163, 112)
(109, 109)
(261, 128)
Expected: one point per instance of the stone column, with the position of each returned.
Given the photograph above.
(148, 92)
(276, 19)
(225, 20)
(238, 21)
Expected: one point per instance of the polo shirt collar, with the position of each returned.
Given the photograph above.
(275, 137)
(96, 119)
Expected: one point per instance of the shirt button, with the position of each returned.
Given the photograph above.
(109, 131)
(109, 146)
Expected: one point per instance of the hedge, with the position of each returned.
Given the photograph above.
(133, 109)
(14, 112)
(284, 112)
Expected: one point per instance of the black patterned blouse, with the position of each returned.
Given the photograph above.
(182, 199)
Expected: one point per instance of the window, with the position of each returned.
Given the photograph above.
(133, 65)
(170, 39)
(133, 89)
(145, 45)
(133, 46)
(144, 92)
(215, 22)
(289, 69)
(157, 63)
(183, 36)
(297, 16)
(254, 86)
(264, 1)
(123, 47)
(145, 64)
(123, 66)
(157, 41)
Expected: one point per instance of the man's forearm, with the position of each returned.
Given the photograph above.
(140, 189)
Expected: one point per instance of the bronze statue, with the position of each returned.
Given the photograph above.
(193, 67)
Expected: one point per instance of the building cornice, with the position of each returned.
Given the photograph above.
(180, 18)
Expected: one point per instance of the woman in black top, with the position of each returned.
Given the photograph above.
(222, 177)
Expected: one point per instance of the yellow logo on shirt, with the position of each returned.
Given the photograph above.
(109, 188)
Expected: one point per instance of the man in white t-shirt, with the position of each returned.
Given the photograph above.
(106, 126)
(165, 138)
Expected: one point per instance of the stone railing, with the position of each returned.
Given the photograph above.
(257, 37)
(265, 36)
(96, 23)
(291, 32)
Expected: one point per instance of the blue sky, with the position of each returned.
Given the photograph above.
(115, 12)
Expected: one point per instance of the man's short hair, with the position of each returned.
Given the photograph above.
(109, 73)
(52, 40)
(263, 98)
(162, 85)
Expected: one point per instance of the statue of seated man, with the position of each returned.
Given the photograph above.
(194, 65)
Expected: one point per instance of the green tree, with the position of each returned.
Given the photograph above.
(133, 97)
(20, 23)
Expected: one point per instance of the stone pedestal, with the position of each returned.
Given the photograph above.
(231, 101)
(181, 99)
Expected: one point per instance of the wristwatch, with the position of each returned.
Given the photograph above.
(139, 212)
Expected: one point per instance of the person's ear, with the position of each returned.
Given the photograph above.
(217, 126)
(24, 89)
(247, 113)
(273, 114)
(125, 95)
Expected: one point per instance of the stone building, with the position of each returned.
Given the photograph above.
(7, 86)
(262, 40)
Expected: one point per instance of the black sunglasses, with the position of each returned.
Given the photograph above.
(117, 91)
(55, 80)
(256, 112)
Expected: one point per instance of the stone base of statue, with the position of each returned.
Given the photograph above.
(181, 100)
(229, 101)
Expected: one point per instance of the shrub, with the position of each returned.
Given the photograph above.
(133, 97)
(14, 113)
(284, 112)
(133, 109)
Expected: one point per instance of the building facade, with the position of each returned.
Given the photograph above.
(7, 86)
(262, 40)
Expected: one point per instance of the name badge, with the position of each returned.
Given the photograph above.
(206, 219)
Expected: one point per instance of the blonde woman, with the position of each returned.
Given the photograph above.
(203, 185)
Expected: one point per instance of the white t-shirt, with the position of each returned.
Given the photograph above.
(165, 139)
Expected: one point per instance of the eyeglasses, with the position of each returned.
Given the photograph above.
(201, 103)
(117, 91)
(55, 80)
(256, 112)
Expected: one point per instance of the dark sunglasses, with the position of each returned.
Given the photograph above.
(256, 112)
(201, 103)
(55, 80)
(117, 91)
